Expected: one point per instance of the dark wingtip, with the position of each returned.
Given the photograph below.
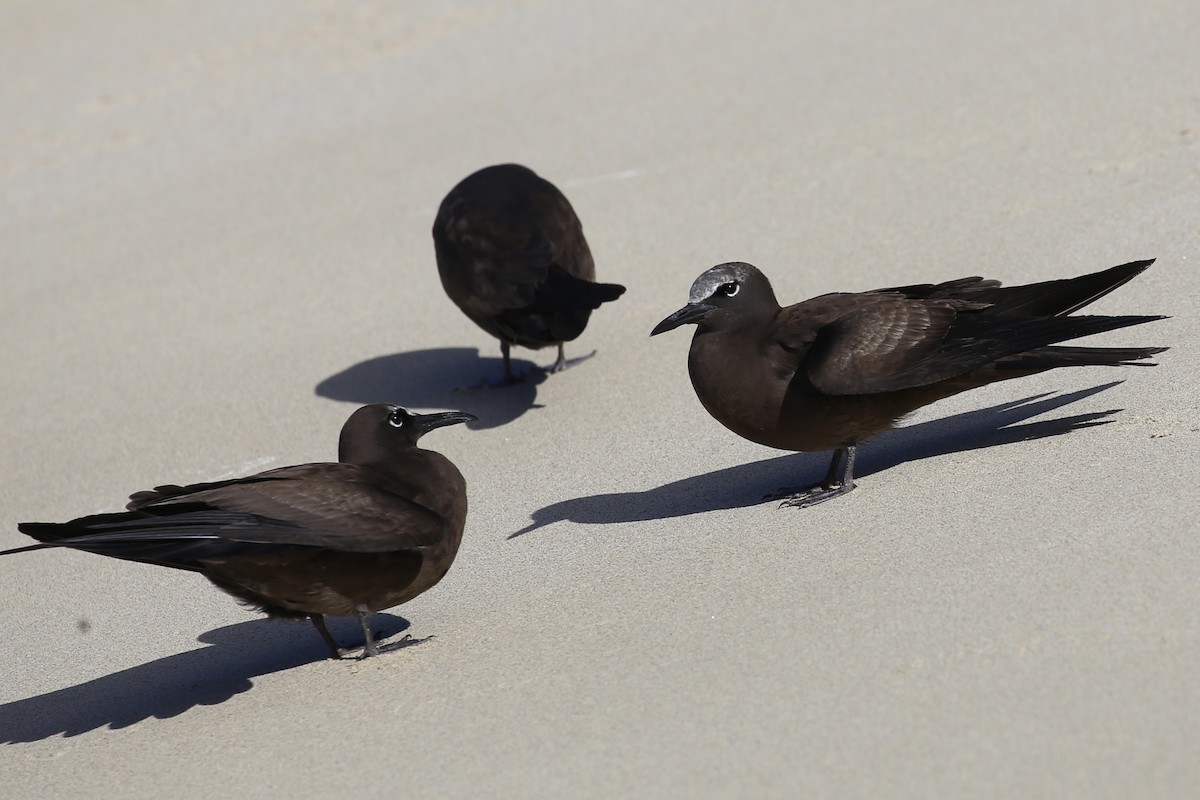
(1130, 270)
(25, 549)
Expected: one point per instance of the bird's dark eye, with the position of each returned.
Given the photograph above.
(397, 418)
(729, 289)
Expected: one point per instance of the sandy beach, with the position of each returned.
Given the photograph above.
(216, 224)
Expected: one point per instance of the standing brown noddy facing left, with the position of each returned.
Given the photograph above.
(367, 533)
(830, 372)
(511, 254)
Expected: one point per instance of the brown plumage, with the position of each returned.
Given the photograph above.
(367, 533)
(830, 372)
(511, 254)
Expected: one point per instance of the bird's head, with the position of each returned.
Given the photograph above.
(722, 296)
(376, 430)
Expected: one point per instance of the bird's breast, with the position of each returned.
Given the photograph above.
(739, 386)
(756, 393)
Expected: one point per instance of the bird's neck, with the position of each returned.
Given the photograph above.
(427, 478)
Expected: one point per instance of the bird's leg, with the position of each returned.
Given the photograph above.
(561, 363)
(839, 456)
(318, 622)
(829, 488)
(364, 619)
(509, 377)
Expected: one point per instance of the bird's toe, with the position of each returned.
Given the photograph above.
(407, 640)
(814, 496)
(564, 364)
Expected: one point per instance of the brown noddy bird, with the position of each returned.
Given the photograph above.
(369, 532)
(830, 372)
(511, 254)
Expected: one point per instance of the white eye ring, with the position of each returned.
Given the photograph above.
(396, 418)
(731, 289)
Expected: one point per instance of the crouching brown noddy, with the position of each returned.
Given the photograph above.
(511, 254)
(370, 532)
(830, 372)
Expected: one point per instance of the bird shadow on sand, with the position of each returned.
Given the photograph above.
(745, 484)
(447, 377)
(167, 687)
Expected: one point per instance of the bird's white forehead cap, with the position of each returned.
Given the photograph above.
(710, 280)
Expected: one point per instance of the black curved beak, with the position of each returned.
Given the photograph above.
(427, 422)
(692, 312)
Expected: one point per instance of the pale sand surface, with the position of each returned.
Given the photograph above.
(215, 231)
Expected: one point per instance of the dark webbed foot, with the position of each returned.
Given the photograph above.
(376, 647)
(407, 640)
(372, 647)
(811, 497)
(534, 373)
(565, 363)
(510, 378)
(831, 487)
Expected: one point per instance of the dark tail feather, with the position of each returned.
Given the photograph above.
(562, 291)
(559, 311)
(1060, 297)
(48, 532)
(1052, 357)
(607, 292)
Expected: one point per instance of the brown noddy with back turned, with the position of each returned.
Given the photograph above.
(370, 532)
(830, 372)
(511, 254)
